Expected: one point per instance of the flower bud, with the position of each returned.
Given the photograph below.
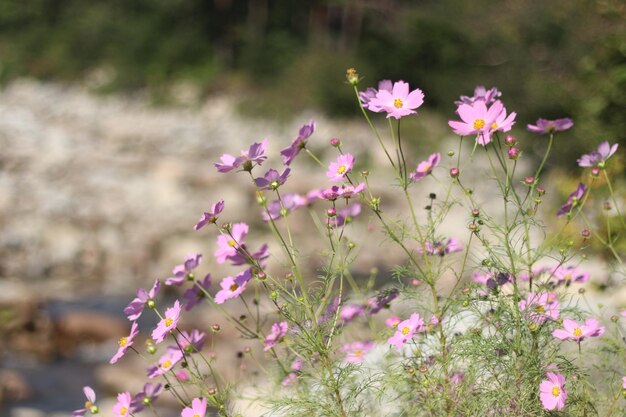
(614, 318)
(352, 76)
(473, 227)
(586, 233)
(151, 304)
(581, 291)
(261, 276)
(454, 172)
(331, 212)
(475, 213)
(595, 172)
(450, 154)
(423, 369)
(351, 245)
(151, 349)
(247, 350)
(215, 328)
(211, 391)
(513, 153)
(529, 180)
(510, 140)
(540, 191)
(466, 291)
(432, 196)
(335, 142)
(365, 173)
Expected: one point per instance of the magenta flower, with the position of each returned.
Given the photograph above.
(345, 215)
(272, 179)
(210, 216)
(256, 154)
(356, 350)
(398, 102)
(441, 248)
(552, 392)
(197, 409)
(425, 167)
(569, 274)
(193, 295)
(350, 312)
(122, 407)
(540, 307)
(573, 331)
(189, 342)
(573, 200)
(299, 143)
(339, 169)
(147, 396)
(166, 363)
(229, 244)
(233, 287)
(477, 119)
(182, 271)
(543, 126)
(135, 308)
(279, 330)
(480, 94)
(406, 330)
(290, 202)
(368, 95)
(598, 158)
(341, 191)
(125, 342)
(168, 323)
(90, 404)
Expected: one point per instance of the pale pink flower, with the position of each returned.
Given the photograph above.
(233, 287)
(350, 312)
(255, 153)
(197, 409)
(228, 245)
(125, 342)
(168, 323)
(279, 330)
(569, 274)
(477, 119)
(90, 404)
(398, 102)
(341, 167)
(392, 321)
(576, 332)
(552, 392)
(540, 307)
(166, 363)
(425, 167)
(123, 408)
(406, 330)
(624, 382)
(369, 94)
(356, 350)
(543, 126)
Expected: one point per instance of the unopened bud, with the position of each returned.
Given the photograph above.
(423, 369)
(352, 76)
(529, 180)
(331, 212)
(215, 328)
(247, 349)
(351, 245)
(261, 276)
(513, 153)
(473, 227)
(450, 154)
(614, 318)
(335, 142)
(466, 291)
(151, 304)
(586, 233)
(454, 172)
(211, 391)
(475, 213)
(510, 140)
(540, 191)
(595, 172)
(365, 173)
(432, 196)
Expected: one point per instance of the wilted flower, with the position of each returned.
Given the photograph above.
(135, 308)
(193, 295)
(299, 143)
(210, 216)
(552, 392)
(183, 270)
(540, 307)
(147, 396)
(272, 179)
(345, 215)
(543, 126)
(256, 153)
(573, 200)
(279, 330)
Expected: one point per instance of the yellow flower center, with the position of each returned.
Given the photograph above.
(578, 332)
(232, 243)
(494, 126)
(123, 411)
(196, 415)
(405, 330)
(342, 169)
(122, 342)
(168, 322)
(397, 103)
(556, 391)
(568, 277)
(166, 364)
(233, 287)
(358, 353)
(479, 124)
(426, 168)
(540, 309)
(88, 404)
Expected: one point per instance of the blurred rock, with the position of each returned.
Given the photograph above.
(76, 327)
(13, 386)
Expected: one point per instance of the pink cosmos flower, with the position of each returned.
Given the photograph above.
(406, 330)
(425, 167)
(122, 407)
(193, 295)
(368, 95)
(356, 350)
(166, 363)
(398, 102)
(503, 123)
(441, 248)
(624, 382)
(477, 119)
(480, 94)
(290, 202)
(229, 244)
(543, 126)
(573, 331)
(290, 379)
(197, 409)
(279, 330)
(135, 308)
(210, 216)
(552, 392)
(350, 312)
(569, 274)
(256, 154)
(299, 143)
(598, 158)
(272, 179)
(90, 404)
(125, 342)
(540, 307)
(189, 342)
(168, 323)
(341, 191)
(147, 396)
(182, 375)
(233, 287)
(182, 271)
(339, 169)
(393, 321)
(573, 200)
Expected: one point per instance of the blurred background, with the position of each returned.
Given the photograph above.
(112, 113)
